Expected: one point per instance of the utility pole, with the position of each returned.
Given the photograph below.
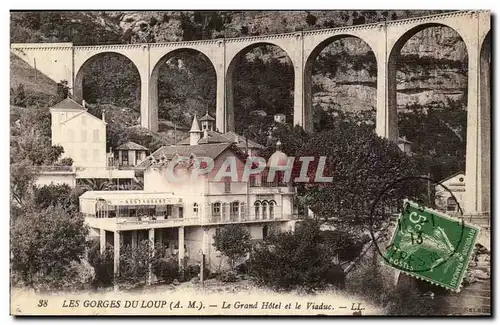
(429, 189)
(36, 71)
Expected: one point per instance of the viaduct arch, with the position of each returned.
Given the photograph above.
(62, 61)
(229, 78)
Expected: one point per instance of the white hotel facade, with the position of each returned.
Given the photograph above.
(186, 215)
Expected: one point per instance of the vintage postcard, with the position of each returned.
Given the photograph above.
(284, 163)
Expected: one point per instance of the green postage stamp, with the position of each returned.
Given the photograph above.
(431, 246)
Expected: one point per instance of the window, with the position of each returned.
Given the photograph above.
(264, 210)
(451, 204)
(124, 158)
(169, 210)
(216, 209)
(195, 209)
(83, 154)
(271, 209)
(235, 209)
(71, 135)
(265, 231)
(181, 212)
(84, 135)
(96, 155)
(96, 135)
(257, 210)
(227, 186)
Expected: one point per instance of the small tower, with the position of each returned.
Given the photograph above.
(195, 132)
(207, 122)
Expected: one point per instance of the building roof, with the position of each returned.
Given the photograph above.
(81, 113)
(195, 127)
(211, 150)
(130, 197)
(228, 137)
(131, 146)
(207, 117)
(403, 140)
(242, 140)
(451, 176)
(68, 104)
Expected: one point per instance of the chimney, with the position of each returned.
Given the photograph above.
(205, 133)
(103, 117)
(237, 138)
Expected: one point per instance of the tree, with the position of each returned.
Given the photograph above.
(361, 165)
(18, 96)
(97, 184)
(102, 263)
(233, 241)
(22, 179)
(43, 244)
(292, 259)
(57, 195)
(311, 19)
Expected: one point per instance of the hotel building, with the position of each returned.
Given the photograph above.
(185, 215)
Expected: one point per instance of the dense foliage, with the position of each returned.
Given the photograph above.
(58, 195)
(102, 263)
(233, 241)
(44, 243)
(295, 259)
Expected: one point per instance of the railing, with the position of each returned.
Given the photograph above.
(45, 169)
(249, 218)
(95, 169)
(482, 220)
(144, 222)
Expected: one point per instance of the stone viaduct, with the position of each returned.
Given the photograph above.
(64, 61)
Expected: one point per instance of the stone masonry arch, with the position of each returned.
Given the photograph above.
(80, 74)
(235, 58)
(393, 54)
(60, 60)
(137, 54)
(153, 80)
(311, 58)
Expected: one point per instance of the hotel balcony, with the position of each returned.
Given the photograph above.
(138, 223)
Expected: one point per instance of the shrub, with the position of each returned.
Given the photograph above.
(102, 264)
(134, 264)
(233, 241)
(193, 271)
(66, 161)
(229, 276)
(311, 20)
(44, 244)
(166, 270)
(301, 257)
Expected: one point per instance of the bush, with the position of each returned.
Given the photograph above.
(66, 161)
(302, 260)
(61, 194)
(193, 271)
(233, 241)
(134, 264)
(44, 244)
(166, 270)
(229, 276)
(102, 264)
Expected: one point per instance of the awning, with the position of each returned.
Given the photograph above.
(126, 198)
